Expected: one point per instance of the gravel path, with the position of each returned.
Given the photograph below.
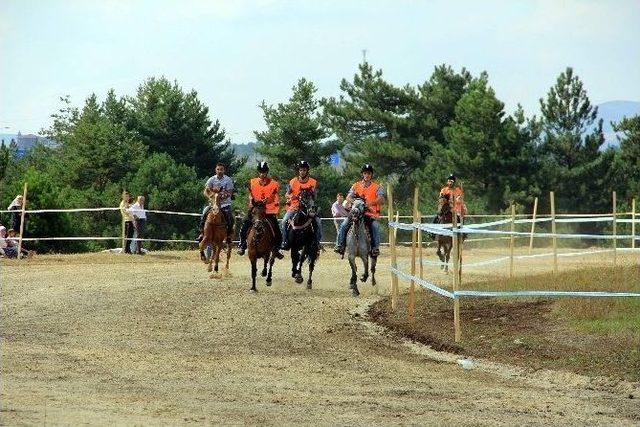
(112, 339)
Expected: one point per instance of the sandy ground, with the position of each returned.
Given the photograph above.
(115, 339)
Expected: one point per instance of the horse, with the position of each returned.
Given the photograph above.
(215, 235)
(261, 243)
(445, 243)
(304, 244)
(359, 245)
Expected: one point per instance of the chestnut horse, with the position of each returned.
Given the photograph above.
(215, 235)
(445, 243)
(261, 243)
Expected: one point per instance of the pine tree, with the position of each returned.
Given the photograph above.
(574, 166)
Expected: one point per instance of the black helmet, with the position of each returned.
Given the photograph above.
(451, 177)
(263, 167)
(366, 168)
(303, 164)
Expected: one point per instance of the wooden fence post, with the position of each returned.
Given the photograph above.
(533, 224)
(24, 208)
(394, 257)
(456, 279)
(512, 239)
(553, 231)
(615, 231)
(414, 238)
(633, 222)
(420, 247)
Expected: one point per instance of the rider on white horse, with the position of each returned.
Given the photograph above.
(373, 195)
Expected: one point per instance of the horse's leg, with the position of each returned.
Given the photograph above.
(441, 256)
(312, 263)
(294, 260)
(365, 262)
(374, 261)
(353, 283)
(272, 258)
(202, 246)
(254, 272)
(264, 267)
(227, 272)
(299, 264)
(447, 256)
(217, 256)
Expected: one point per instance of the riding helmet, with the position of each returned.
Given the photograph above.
(452, 177)
(366, 168)
(263, 167)
(303, 164)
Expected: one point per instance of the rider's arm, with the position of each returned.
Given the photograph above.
(351, 194)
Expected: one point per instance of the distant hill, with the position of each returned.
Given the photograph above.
(615, 111)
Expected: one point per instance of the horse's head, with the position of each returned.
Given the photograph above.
(444, 205)
(258, 214)
(357, 208)
(308, 203)
(214, 201)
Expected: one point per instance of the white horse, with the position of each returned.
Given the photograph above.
(359, 245)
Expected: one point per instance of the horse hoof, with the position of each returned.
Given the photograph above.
(227, 273)
(373, 282)
(268, 282)
(364, 278)
(215, 276)
(264, 273)
(254, 290)
(309, 283)
(299, 279)
(355, 292)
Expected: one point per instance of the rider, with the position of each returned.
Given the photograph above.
(263, 189)
(223, 185)
(455, 194)
(301, 182)
(373, 195)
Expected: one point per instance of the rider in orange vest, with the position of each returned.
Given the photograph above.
(456, 195)
(301, 182)
(373, 194)
(263, 189)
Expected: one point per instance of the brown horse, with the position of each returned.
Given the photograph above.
(215, 235)
(261, 243)
(445, 243)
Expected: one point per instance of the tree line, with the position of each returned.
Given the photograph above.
(163, 142)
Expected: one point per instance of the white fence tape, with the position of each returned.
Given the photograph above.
(422, 283)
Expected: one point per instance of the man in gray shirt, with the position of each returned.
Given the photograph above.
(222, 184)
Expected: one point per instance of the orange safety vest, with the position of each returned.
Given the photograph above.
(268, 192)
(370, 195)
(456, 194)
(296, 187)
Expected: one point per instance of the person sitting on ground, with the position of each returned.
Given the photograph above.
(12, 240)
(223, 185)
(301, 182)
(262, 189)
(6, 249)
(373, 195)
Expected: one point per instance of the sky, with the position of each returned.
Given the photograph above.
(236, 54)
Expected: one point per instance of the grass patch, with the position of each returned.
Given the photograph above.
(592, 336)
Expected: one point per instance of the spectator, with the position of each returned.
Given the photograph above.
(16, 207)
(6, 249)
(128, 221)
(338, 210)
(140, 219)
(13, 241)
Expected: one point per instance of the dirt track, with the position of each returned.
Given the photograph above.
(111, 339)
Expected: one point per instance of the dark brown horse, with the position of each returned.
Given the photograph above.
(215, 235)
(261, 243)
(445, 243)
